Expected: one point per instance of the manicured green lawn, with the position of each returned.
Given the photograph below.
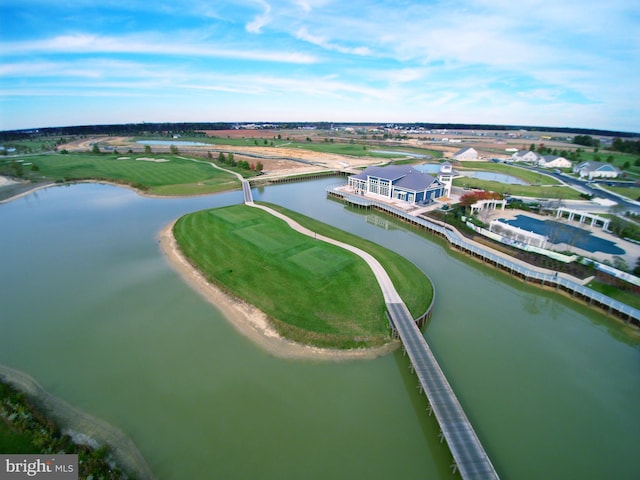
(176, 176)
(411, 283)
(314, 292)
(632, 193)
(628, 298)
(520, 190)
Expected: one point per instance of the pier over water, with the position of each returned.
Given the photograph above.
(469, 456)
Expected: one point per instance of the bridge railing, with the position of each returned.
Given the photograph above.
(455, 239)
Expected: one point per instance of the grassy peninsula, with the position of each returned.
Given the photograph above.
(314, 292)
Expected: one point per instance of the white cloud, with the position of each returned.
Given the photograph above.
(255, 26)
(304, 35)
(141, 44)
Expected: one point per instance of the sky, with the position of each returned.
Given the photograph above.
(561, 63)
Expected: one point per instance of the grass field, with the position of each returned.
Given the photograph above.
(317, 145)
(15, 442)
(532, 191)
(632, 193)
(314, 292)
(628, 298)
(176, 176)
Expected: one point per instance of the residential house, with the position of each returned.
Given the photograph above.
(553, 161)
(468, 153)
(596, 170)
(526, 156)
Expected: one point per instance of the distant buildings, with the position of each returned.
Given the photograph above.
(468, 153)
(554, 161)
(596, 170)
(526, 156)
(399, 182)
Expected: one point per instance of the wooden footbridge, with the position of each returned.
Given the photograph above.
(468, 454)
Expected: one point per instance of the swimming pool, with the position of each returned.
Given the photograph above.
(558, 232)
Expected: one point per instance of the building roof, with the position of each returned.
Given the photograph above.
(415, 180)
(402, 176)
(465, 150)
(594, 166)
(392, 172)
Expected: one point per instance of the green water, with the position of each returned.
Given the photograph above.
(91, 309)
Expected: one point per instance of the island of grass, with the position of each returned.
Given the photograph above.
(313, 292)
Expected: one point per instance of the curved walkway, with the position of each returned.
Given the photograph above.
(468, 454)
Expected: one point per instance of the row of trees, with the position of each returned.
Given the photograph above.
(229, 159)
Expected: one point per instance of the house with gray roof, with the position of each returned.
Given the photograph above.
(468, 153)
(596, 170)
(398, 182)
(526, 156)
(554, 161)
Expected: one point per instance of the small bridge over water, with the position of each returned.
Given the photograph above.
(468, 454)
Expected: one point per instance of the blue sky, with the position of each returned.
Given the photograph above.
(572, 63)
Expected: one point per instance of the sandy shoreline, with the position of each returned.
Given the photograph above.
(250, 321)
(82, 427)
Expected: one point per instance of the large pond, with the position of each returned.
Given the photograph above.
(401, 153)
(91, 309)
(494, 177)
(433, 168)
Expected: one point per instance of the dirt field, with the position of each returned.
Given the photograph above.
(277, 161)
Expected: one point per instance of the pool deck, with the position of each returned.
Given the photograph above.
(632, 250)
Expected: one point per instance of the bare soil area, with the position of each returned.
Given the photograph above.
(277, 161)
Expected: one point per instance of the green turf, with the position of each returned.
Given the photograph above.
(410, 282)
(314, 292)
(177, 176)
(628, 298)
(632, 193)
(15, 442)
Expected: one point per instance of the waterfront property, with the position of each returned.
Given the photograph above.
(399, 182)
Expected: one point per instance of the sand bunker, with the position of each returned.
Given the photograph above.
(156, 160)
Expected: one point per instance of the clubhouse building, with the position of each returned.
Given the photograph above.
(398, 182)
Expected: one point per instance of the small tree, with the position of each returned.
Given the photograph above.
(221, 158)
(173, 150)
(95, 149)
(230, 159)
(147, 149)
(259, 166)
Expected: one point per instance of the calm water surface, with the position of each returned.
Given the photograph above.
(91, 309)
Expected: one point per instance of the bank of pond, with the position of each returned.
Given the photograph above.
(313, 292)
